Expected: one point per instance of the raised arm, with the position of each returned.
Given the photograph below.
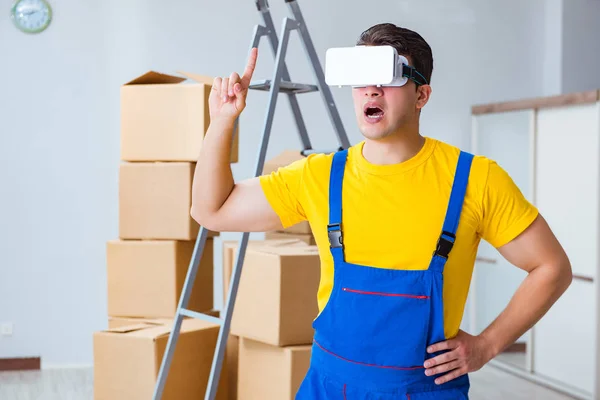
(219, 203)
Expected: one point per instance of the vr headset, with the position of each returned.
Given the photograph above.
(361, 66)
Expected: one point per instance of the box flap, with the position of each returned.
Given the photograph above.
(156, 331)
(128, 321)
(207, 80)
(153, 77)
(131, 328)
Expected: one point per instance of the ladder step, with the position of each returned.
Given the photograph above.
(284, 86)
(311, 151)
(197, 315)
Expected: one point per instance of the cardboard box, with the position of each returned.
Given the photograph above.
(307, 238)
(281, 371)
(277, 297)
(127, 361)
(164, 118)
(232, 354)
(230, 252)
(231, 350)
(118, 322)
(146, 277)
(155, 200)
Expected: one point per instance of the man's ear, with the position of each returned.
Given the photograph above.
(423, 95)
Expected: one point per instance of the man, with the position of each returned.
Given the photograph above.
(397, 219)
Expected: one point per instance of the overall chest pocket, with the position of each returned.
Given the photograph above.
(383, 327)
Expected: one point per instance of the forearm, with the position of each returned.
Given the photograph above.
(534, 297)
(213, 179)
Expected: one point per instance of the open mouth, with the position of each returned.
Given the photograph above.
(373, 113)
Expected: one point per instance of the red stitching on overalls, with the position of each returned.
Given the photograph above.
(365, 364)
(413, 296)
(344, 392)
(407, 396)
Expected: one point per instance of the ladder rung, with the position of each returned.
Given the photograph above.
(311, 151)
(197, 315)
(284, 86)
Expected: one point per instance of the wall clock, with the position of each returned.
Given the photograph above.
(31, 16)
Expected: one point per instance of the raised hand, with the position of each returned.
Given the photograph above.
(228, 95)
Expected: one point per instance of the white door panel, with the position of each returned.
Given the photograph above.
(567, 180)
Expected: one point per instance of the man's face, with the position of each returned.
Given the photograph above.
(385, 111)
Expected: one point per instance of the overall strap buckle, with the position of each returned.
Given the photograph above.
(334, 232)
(444, 245)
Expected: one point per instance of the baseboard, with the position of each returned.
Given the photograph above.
(20, 364)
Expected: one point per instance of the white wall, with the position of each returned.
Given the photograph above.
(571, 46)
(553, 47)
(581, 46)
(59, 122)
(58, 172)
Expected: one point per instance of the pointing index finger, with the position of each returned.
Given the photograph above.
(247, 76)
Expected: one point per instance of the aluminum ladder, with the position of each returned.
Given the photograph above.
(280, 83)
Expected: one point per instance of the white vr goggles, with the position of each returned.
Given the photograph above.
(361, 66)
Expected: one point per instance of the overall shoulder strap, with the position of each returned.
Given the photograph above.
(455, 205)
(334, 228)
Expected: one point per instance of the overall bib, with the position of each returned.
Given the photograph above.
(370, 339)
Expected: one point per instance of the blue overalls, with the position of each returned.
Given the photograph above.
(370, 340)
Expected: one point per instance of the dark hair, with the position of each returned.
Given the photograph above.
(408, 43)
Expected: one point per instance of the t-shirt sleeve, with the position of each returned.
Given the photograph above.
(506, 211)
(282, 190)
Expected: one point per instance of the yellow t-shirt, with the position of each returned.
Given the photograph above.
(392, 215)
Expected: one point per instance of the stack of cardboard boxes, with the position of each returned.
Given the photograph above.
(300, 231)
(272, 318)
(163, 122)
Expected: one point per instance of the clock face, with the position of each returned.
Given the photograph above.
(31, 16)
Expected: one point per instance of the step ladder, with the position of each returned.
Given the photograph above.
(280, 83)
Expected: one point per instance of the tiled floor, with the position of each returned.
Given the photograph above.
(516, 359)
(490, 383)
(49, 384)
(77, 384)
